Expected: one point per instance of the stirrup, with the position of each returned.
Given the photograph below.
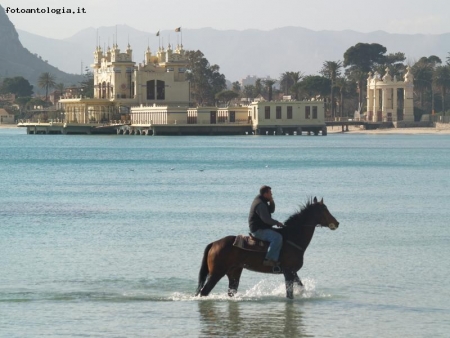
(277, 269)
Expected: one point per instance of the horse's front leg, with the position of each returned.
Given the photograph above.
(297, 279)
(289, 277)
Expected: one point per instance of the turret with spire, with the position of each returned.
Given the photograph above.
(129, 52)
(98, 55)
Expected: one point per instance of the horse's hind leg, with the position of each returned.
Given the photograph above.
(210, 284)
(234, 276)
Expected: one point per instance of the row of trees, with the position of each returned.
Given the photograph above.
(21, 87)
(23, 91)
(338, 81)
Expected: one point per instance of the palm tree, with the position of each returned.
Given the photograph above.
(258, 87)
(289, 81)
(269, 84)
(331, 70)
(441, 78)
(285, 82)
(343, 85)
(46, 80)
(249, 91)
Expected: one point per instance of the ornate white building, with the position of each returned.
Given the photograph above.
(120, 84)
(390, 100)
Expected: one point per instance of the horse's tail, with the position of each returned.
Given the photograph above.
(203, 270)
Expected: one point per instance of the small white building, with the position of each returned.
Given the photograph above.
(288, 116)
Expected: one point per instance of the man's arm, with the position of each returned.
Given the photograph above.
(264, 214)
(271, 206)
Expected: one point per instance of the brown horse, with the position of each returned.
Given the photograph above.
(221, 258)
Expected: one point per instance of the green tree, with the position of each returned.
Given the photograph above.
(289, 81)
(46, 80)
(285, 82)
(394, 62)
(315, 85)
(226, 96)
(360, 60)
(331, 70)
(249, 91)
(342, 85)
(236, 87)
(259, 89)
(206, 80)
(422, 71)
(87, 85)
(269, 85)
(441, 79)
(18, 86)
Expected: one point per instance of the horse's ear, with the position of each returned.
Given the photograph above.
(315, 200)
(321, 201)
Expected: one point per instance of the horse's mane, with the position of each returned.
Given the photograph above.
(299, 216)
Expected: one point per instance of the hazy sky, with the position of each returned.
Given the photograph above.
(393, 16)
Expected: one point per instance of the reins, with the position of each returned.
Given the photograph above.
(295, 245)
(298, 246)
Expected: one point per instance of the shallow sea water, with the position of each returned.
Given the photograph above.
(102, 236)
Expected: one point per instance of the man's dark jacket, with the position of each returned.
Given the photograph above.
(254, 220)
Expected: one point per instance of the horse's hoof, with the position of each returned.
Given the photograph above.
(231, 293)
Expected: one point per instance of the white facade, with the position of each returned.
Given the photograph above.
(159, 80)
(390, 100)
(120, 84)
(166, 115)
(287, 113)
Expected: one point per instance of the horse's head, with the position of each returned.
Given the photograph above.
(313, 213)
(323, 216)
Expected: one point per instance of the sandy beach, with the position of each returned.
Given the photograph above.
(409, 131)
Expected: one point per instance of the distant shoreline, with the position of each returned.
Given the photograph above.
(352, 130)
(408, 131)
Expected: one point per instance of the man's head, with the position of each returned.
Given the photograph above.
(266, 192)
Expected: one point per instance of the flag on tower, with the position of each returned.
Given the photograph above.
(178, 29)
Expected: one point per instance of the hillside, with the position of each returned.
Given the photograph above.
(238, 53)
(16, 60)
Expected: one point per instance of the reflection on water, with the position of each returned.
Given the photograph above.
(259, 319)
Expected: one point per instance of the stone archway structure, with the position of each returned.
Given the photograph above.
(390, 100)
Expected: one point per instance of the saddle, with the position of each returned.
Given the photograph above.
(251, 243)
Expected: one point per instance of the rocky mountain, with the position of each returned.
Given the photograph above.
(16, 60)
(238, 53)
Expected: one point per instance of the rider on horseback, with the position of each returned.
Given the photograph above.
(261, 222)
